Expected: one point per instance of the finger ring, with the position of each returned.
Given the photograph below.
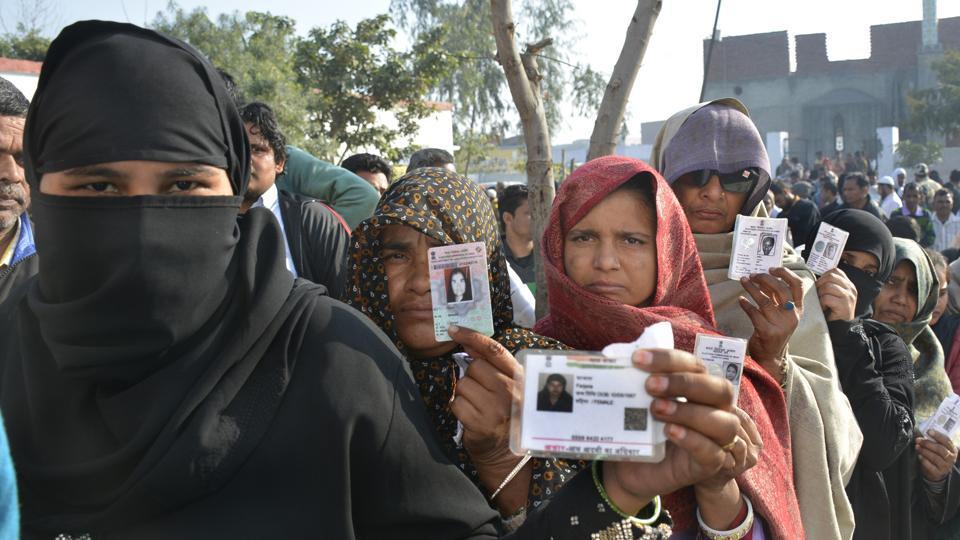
(789, 305)
(729, 447)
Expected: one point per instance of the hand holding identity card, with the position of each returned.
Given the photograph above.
(827, 248)
(460, 289)
(946, 420)
(757, 246)
(585, 405)
(723, 357)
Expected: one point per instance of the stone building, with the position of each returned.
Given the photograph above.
(825, 105)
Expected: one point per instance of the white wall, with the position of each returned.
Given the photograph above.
(25, 82)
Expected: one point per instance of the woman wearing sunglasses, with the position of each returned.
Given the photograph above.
(716, 163)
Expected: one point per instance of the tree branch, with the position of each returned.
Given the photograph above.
(606, 130)
(523, 79)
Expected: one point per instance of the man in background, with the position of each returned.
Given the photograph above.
(890, 202)
(18, 256)
(911, 208)
(372, 168)
(946, 225)
(518, 231)
(856, 195)
(802, 215)
(317, 239)
(432, 157)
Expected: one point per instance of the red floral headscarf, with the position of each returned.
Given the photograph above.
(585, 320)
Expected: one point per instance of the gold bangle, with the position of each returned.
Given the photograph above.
(638, 522)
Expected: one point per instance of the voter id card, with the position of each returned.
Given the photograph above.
(584, 405)
(827, 248)
(946, 420)
(460, 289)
(723, 357)
(757, 246)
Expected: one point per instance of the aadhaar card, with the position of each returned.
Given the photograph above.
(757, 246)
(946, 420)
(460, 289)
(827, 248)
(723, 357)
(584, 405)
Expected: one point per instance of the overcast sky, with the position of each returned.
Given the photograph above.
(671, 75)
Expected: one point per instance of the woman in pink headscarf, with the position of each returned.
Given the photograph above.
(620, 257)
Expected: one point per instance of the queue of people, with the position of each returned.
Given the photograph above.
(208, 334)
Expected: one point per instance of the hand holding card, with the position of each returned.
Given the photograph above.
(460, 288)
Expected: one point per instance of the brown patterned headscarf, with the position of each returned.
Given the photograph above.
(450, 209)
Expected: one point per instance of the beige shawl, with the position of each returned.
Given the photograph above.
(824, 433)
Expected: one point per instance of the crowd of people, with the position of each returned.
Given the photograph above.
(209, 333)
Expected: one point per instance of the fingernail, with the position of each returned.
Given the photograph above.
(657, 383)
(676, 432)
(453, 329)
(665, 406)
(642, 358)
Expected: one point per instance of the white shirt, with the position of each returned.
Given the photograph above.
(271, 200)
(524, 304)
(890, 204)
(946, 233)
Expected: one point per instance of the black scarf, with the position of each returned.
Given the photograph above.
(143, 367)
(870, 235)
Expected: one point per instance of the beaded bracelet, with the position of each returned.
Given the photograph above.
(736, 534)
(639, 522)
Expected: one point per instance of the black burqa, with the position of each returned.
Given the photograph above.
(876, 374)
(144, 387)
(147, 375)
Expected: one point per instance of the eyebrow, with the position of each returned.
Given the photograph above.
(95, 170)
(106, 172)
(191, 172)
(397, 246)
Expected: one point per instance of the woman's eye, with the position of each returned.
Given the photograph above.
(394, 257)
(184, 185)
(100, 187)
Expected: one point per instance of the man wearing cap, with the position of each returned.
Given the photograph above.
(900, 176)
(928, 186)
(890, 202)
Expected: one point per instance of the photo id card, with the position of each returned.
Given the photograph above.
(460, 289)
(946, 420)
(723, 357)
(757, 246)
(827, 248)
(584, 405)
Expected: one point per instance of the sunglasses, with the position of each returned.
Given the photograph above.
(735, 182)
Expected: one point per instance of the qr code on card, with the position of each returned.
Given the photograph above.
(634, 419)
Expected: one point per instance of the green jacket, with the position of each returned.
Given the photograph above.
(351, 196)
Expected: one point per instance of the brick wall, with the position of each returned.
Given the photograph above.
(742, 58)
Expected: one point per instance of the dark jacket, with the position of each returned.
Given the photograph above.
(876, 374)
(318, 239)
(24, 264)
(802, 218)
(871, 208)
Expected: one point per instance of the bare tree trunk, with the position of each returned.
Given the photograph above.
(523, 78)
(606, 130)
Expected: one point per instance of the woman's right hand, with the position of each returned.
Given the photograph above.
(937, 456)
(779, 309)
(696, 430)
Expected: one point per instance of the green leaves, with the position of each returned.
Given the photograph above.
(355, 75)
(938, 109)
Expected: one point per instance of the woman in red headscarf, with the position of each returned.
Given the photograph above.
(619, 257)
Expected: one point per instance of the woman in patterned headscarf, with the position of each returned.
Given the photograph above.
(437, 207)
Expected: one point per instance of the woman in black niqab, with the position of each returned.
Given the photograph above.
(876, 374)
(163, 376)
